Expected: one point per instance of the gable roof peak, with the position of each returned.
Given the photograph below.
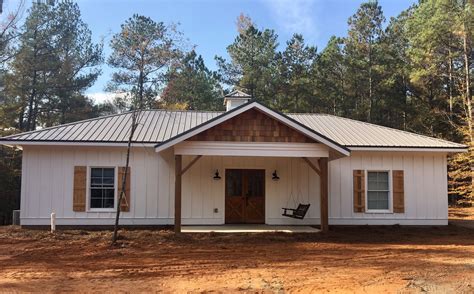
(238, 94)
(235, 99)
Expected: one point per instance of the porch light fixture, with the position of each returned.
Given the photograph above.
(275, 176)
(216, 175)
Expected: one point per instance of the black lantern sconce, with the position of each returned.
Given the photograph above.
(275, 176)
(217, 177)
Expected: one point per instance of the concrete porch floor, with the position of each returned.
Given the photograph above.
(243, 228)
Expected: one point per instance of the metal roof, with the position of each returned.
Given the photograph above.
(160, 125)
(353, 133)
(154, 126)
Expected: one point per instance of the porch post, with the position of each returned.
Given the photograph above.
(323, 166)
(177, 193)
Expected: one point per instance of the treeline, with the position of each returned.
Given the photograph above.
(412, 72)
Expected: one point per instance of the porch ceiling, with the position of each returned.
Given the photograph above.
(262, 149)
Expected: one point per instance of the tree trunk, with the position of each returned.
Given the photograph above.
(369, 112)
(124, 178)
(467, 65)
(135, 118)
(31, 104)
(450, 87)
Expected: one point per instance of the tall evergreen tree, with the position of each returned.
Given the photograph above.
(192, 85)
(329, 79)
(252, 65)
(55, 63)
(295, 66)
(365, 58)
(78, 59)
(142, 52)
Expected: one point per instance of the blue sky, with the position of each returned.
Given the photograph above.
(210, 24)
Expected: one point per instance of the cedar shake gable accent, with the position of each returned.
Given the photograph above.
(285, 120)
(252, 126)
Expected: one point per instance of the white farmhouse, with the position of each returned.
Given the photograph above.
(240, 166)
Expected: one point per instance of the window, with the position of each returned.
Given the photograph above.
(102, 187)
(378, 190)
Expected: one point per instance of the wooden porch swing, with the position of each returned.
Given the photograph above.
(300, 211)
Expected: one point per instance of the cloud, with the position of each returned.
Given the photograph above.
(100, 97)
(294, 16)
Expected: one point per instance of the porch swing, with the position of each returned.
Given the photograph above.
(300, 211)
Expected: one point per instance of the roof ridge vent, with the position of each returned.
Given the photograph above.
(235, 99)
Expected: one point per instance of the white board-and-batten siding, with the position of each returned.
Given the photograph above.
(47, 186)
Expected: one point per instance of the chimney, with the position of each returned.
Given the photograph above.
(235, 99)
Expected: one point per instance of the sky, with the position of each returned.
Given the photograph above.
(210, 25)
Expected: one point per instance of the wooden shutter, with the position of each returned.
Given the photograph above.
(398, 191)
(80, 188)
(125, 205)
(359, 190)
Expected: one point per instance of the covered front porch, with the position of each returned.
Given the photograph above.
(225, 170)
(248, 184)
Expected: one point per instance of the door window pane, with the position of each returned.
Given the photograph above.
(255, 183)
(233, 178)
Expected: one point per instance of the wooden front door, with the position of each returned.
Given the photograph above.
(244, 196)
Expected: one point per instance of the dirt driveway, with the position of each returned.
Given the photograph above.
(364, 259)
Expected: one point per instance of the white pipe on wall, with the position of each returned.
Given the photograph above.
(53, 222)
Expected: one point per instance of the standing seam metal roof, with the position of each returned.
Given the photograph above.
(156, 126)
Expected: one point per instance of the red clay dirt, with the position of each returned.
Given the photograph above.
(347, 259)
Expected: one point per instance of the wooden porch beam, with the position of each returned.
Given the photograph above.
(177, 193)
(324, 204)
(317, 170)
(190, 164)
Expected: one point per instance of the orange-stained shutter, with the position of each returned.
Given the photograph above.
(359, 190)
(125, 205)
(80, 187)
(398, 191)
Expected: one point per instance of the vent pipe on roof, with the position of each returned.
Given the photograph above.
(235, 99)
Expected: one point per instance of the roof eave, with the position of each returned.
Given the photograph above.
(441, 149)
(16, 143)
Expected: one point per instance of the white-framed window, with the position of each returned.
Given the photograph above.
(102, 189)
(378, 197)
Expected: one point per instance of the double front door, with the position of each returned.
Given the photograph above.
(244, 196)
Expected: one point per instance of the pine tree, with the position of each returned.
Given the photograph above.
(329, 79)
(55, 63)
(142, 53)
(364, 56)
(192, 85)
(252, 65)
(295, 67)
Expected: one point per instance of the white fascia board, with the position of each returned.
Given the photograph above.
(82, 144)
(267, 111)
(408, 149)
(251, 149)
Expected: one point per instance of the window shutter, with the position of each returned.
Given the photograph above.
(398, 191)
(80, 187)
(125, 205)
(359, 190)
